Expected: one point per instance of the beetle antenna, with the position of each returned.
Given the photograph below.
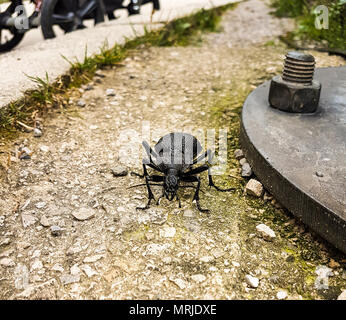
(144, 184)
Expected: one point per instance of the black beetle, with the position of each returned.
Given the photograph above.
(174, 155)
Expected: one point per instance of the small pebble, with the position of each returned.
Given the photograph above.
(198, 278)
(319, 174)
(55, 231)
(110, 92)
(246, 170)
(265, 232)
(88, 270)
(69, 278)
(25, 154)
(81, 103)
(37, 133)
(44, 148)
(254, 188)
(88, 87)
(119, 171)
(239, 154)
(281, 295)
(7, 262)
(206, 259)
(40, 205)
(342, 296)
(167, 232)
(252, 281)
(44, 221)
(242, 161)
(99, 74)
(333, 264)
(180, 283)
(83, 214)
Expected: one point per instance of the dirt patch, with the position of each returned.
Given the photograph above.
(114, 251)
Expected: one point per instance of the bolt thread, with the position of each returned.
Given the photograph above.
(299, 68)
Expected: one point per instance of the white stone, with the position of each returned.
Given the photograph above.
(44, 148)
(44, 221)
(155, 248)
(36, 254)
(81, 103)
(75, 270)
(188, 213)
(254, 188)
(180, 283)
(167, 260)
(68, 278)
(252, 281)
(83, 214)
(28, 220)
(342, 296)
(55, 231)
(37, 133)
(93, 258)
(22, 277)
(206, 259)
(265, 232)
(167, 232)
(281, 295)
(7, 262)
(6, 253)
(239, 154)
(217, 253)
(198, 278)
(58, 267)
(88, 270)
(37, 265)
(110, 92)
(40, 205)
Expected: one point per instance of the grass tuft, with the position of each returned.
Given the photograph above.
(304, 12)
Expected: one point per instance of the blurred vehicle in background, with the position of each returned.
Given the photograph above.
(68, 15)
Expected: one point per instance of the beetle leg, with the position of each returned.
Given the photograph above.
(202, 168)
(210, 177)
(150, 195)
(145, 171)
(196, 196)
(197, 170)
(178, 199)
(211, 184)
(161, 196)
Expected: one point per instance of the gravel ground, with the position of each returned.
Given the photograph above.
(70, 229)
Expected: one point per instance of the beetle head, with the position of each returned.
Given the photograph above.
(171, 186)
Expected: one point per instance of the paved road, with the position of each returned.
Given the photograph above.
(35, 57)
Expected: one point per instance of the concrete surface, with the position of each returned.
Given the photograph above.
(35, 57)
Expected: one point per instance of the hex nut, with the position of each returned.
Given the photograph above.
(294, 97)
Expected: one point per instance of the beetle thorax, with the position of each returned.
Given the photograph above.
(171, 183)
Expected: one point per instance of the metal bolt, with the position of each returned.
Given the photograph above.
(295, 90)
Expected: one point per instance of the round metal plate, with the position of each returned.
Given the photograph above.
(301, 158)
